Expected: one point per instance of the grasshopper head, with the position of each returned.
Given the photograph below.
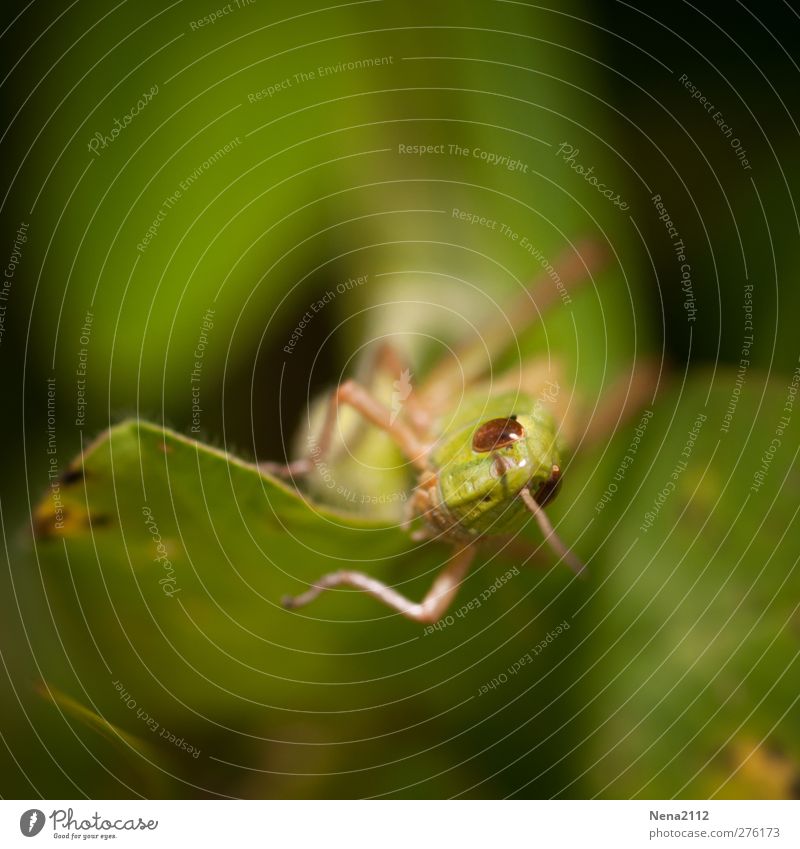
(491, 476)
(489, 464)
(523, 449)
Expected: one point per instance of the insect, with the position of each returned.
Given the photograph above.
(486, 459)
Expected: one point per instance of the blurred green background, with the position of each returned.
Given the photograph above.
(269, 163)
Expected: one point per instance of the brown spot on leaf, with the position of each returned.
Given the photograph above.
(101, 520)
(72, 476)
(67, 522)
(49, 524)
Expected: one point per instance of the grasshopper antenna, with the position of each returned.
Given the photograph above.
(550, 535)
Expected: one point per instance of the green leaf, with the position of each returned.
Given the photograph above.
(198, 639)
(675, 676)
(171, 558)
(690, 639)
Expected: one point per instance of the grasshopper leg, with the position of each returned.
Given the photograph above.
(430, 609)
(574, 267)
(390, 362)
(360, 399)
(628, 395)
(549, 533)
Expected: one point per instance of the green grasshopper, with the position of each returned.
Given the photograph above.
(485, 469)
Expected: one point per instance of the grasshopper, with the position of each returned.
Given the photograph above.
(487, 468)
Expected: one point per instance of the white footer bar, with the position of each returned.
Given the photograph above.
(401, 824)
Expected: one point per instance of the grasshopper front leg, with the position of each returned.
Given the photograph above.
(386, 361)
(430, 609)
(373, 411)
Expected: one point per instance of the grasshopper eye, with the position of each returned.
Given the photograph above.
(497, 433)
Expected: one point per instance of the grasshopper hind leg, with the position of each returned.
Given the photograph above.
(627, 396)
